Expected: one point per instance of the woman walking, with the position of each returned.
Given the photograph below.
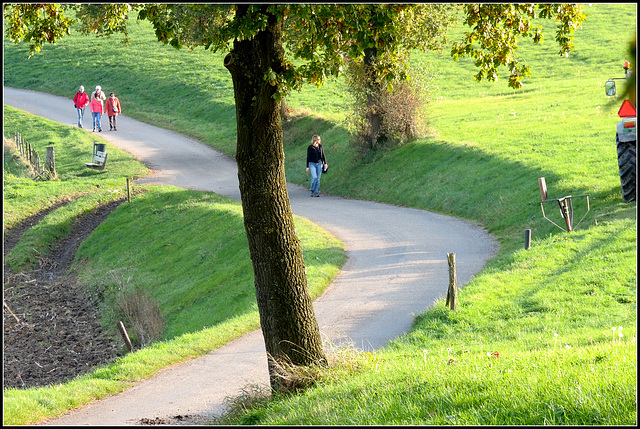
(112, 108)
(315, 162)
(99, 94)
(96, 112)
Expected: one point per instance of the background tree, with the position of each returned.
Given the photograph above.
(320, 39)
(398, 115)
(387, 106)
(382, 113)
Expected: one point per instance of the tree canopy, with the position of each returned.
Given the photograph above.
(320, 36)
(495, 29)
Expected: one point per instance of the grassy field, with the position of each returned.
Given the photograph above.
(203, 232)
(536, 338)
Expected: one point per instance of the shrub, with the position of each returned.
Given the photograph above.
(398, 107)
(142, 314)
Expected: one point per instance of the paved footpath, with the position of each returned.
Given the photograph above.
(396, 268)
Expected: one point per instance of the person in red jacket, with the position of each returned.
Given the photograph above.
(81, 101)
(96, 112)
(112, 109)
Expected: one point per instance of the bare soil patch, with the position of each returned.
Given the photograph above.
(51, 327)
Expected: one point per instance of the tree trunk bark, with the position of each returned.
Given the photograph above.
(287, 317)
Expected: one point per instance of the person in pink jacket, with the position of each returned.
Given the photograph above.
(112, 109)
(80, 101)
(96, 112)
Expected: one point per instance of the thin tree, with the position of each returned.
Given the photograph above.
(422, 27)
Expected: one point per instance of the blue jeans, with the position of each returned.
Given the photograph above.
(80, 115)
(97, 116)
(316, 172)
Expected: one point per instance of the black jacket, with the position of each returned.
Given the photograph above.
(315, 154)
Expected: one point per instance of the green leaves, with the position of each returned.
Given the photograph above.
(496, 28)
(103, 19)
(326, 36)
(35, 24)
(321, 36)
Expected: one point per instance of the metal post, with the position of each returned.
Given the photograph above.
(566, 213)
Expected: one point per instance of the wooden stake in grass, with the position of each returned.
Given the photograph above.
(543, 188)
(527, 239)
(125, 336)
(128, 191)
(452, 293)
(50, 161)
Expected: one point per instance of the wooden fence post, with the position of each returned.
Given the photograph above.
(543, 188)
(50, 161)
(18, 139)
(527, 239)
(452, 293)
(128, 192)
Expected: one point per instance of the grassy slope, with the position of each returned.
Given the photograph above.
(209, 266)
(72, 148)
(490, 146)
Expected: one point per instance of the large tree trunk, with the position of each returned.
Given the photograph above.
(287, 318)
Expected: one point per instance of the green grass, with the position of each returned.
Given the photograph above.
(202, 237)
(13, 163)
(72, 146)
(418, 388)
(205, 292)
(24, 197)
(488, 146)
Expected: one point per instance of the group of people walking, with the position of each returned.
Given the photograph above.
(98, 104)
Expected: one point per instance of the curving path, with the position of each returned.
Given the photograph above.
(396, 268)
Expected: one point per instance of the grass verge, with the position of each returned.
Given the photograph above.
(205, 293)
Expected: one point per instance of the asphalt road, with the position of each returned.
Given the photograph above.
(396, 269)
